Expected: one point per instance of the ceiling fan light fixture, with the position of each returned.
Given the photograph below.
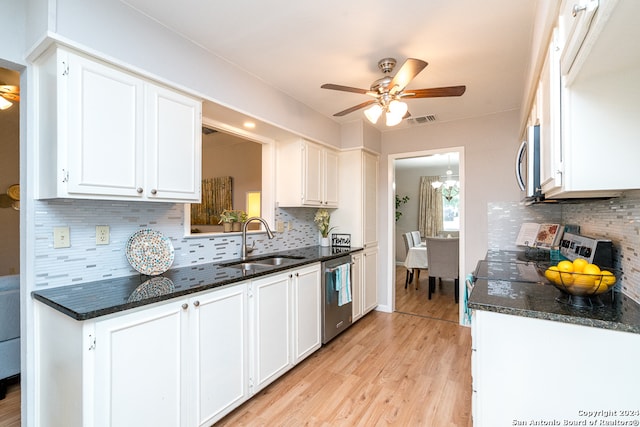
(373, 113)
(5, 104)
(395, 112)
(398, 108)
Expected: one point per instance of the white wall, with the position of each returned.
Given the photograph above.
(111, 28)
(490, 144)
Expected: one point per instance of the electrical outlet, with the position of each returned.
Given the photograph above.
(290, 225)
(61, 237)
(102, 234)
(280, 226)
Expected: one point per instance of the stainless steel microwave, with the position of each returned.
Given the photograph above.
(528, 166)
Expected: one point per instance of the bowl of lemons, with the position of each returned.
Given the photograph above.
(580, 278)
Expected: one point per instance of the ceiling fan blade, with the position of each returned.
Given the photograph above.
(344, 88)
(9, 88)
(435, 92)
(406, 73)
(354, 108)
(10, 96)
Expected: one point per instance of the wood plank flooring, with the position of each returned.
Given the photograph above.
(10, 406)
(416, 301)
(388, 368)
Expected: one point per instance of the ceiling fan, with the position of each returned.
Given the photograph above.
(388, 91)
(8, 93)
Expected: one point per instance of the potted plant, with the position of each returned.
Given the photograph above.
(399, 202)
(227, 218)
(240, 217)
(322, 220)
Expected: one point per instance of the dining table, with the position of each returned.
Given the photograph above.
(416, 260)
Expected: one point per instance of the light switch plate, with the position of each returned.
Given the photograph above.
(102, 234)
(61, 237)
(279, 226)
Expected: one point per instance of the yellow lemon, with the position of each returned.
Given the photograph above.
(566, 266)
(583, 281)
(578, 264)
(566, 278)
(552, 274)
(608, 278)
(599, 286)
(591, 269)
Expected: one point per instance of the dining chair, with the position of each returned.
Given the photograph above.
(408, 243)
(443, 260)
(417, 240)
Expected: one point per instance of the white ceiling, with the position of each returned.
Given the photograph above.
(296, 46)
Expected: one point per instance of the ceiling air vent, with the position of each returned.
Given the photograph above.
(422, 119)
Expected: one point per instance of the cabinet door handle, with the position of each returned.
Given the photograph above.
(577, 9)
(154, 191)
(290, 276)
(185, 306)
(297, 274)
(139, 190)
(196, 303)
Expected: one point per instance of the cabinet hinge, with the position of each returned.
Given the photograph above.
(65, 68)
(65, 176)
(92, 342)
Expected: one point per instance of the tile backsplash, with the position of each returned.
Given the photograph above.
(85, 261)
(616, 219)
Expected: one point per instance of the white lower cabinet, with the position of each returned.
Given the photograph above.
(554, 373)
(180, 363)
(356, 286)
(204, 339)
(140, 368)
(185, 362)
(307, 313)
(370, 279)
(364, 282)
(285, 310)
(271, 323)
(219, 325)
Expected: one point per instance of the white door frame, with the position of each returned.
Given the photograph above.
(391, 229)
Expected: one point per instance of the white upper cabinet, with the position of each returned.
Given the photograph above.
(587, 101)
(306, 175)
(108, 134)
(358, 213)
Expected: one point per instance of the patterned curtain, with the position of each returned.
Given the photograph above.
(430, 213)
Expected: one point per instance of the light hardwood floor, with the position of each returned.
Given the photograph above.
(416, 301)
(409, 368)
(10, 407)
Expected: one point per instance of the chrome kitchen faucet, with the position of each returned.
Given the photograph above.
(245, 249)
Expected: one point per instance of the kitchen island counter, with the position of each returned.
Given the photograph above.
(90, 300)
(538, 300)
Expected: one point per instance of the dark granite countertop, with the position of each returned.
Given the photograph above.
(496, 291)
(94, 299)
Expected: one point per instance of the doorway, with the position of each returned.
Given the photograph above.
(10, 238)
(405, 170)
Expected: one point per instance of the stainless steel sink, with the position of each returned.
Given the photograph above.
(269, 261)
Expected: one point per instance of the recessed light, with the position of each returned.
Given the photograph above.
(249, 125)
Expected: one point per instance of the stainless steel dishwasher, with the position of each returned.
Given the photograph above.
(336, 278)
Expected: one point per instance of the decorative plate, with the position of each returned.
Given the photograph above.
(14, 192)
(149, 252)
(154, 287)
